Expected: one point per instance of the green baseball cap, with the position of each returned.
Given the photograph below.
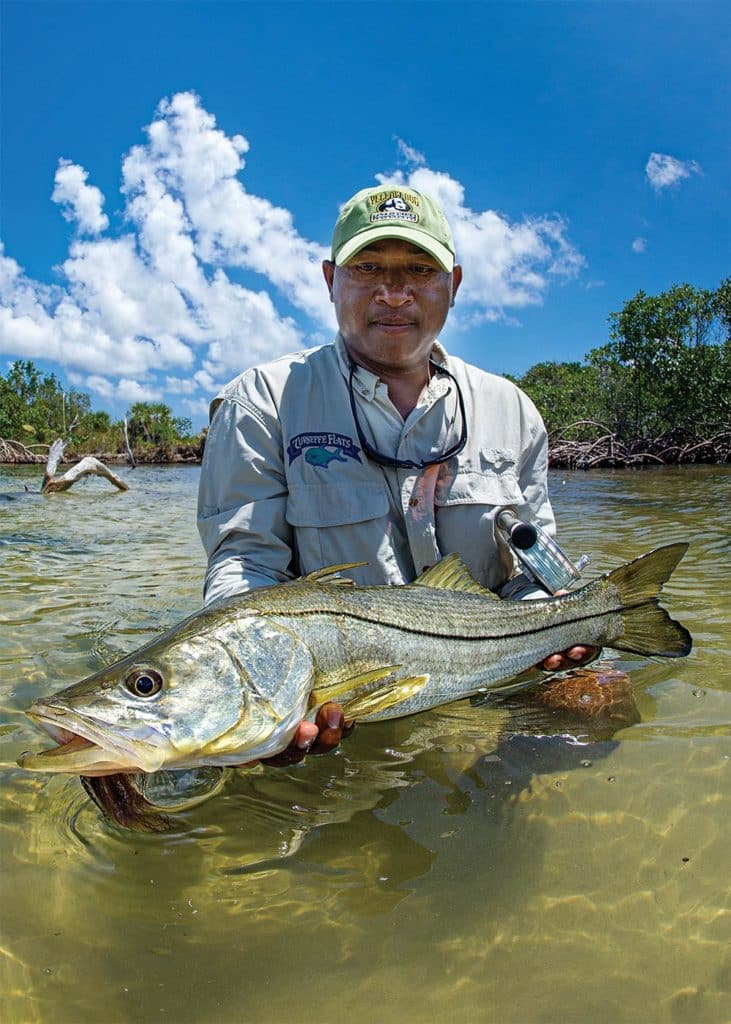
(393, 211)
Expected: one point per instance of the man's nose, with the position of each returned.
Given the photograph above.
(394, 288)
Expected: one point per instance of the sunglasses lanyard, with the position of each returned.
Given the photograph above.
(389, 461)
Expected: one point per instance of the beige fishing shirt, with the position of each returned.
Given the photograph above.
(285, 488)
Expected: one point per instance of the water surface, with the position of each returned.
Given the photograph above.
(475, 863)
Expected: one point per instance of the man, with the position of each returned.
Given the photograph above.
(380, 447)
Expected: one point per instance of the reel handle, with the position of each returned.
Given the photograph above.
(540, 556)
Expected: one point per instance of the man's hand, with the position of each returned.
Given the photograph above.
(572, 658)
(318, 737)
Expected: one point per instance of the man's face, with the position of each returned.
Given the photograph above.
(391, 300)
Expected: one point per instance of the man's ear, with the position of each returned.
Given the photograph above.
(456, 281)
(328, 272)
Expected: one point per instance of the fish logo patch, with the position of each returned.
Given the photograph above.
(322, 449)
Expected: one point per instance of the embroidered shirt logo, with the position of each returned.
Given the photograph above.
(322, 449)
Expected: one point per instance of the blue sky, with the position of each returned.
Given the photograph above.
(170, 173)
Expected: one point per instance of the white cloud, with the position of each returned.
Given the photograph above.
(639, 244)
(180, 386)
(205, 381)
(663, 171)
(133, 391)
(154, 309)
(99, 385)
(125, 390)
(78, 201)
(196, 408)
(409, 154)
(507, 264)
(188, 157)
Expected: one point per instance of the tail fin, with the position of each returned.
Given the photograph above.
(648, 629)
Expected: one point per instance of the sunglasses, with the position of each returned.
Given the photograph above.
(388, 460)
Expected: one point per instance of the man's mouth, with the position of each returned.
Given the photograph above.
(393, 323)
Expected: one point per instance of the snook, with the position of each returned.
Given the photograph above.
(231, 683)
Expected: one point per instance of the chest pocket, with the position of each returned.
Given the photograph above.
(325, 505)
(494, 482)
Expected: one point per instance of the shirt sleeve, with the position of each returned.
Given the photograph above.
(242, 497)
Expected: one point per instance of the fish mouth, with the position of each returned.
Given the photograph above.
(83, 748)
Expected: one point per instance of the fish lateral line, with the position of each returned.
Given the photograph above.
(452, 635)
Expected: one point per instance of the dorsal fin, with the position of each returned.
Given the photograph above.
(330, 574)
(452, 574)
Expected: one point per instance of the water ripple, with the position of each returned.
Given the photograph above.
(419, 857)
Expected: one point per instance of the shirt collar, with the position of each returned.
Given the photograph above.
(365, 382)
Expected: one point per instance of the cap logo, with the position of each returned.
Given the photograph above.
(392, 211)
(394, 206)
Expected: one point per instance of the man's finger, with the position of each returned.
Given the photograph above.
(299, 746)
(318, 737)
(552, 663)
(581, 653)
(330, 722)
(575, 656)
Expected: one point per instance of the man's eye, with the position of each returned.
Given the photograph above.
(366, 268)
(422, 269)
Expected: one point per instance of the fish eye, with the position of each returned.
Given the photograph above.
(143, 682)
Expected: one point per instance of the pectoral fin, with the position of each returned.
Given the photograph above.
(384, 697)
(368, 693)
(355, 685)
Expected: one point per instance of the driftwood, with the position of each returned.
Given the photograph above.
(130, 454)
(88, 466)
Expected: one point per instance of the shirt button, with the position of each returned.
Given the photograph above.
(414, 502)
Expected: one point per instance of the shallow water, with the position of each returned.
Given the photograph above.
(476, 863)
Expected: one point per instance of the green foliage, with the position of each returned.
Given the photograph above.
(35, 409)
(97, 433)
(564, 393)
(34, 406)
(665, 370)
(151, 425)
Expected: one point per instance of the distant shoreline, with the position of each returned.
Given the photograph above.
(178, 456)
(703, 455)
